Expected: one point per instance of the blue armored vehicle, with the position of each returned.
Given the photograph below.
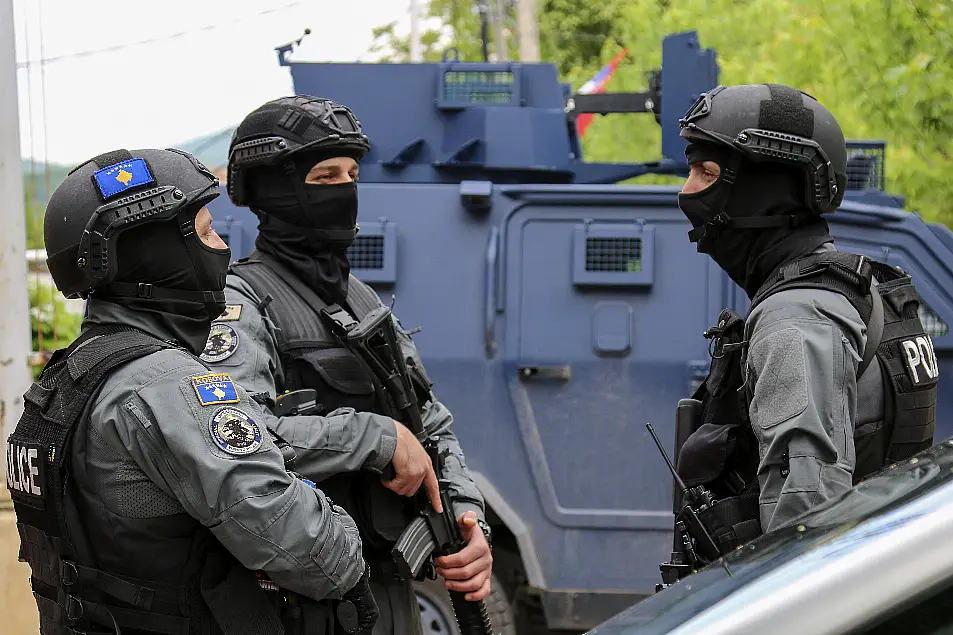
(561, 311)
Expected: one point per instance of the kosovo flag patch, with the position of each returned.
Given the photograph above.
(215, 389)
(117, 178)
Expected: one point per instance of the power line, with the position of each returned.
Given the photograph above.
(118, 47)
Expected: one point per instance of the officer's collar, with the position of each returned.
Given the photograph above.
(105, 313)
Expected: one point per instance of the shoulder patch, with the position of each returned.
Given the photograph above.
(215, 389)
(234, 431)
(231, 313)
(221, 344)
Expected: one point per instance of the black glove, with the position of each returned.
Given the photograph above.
(363, 600)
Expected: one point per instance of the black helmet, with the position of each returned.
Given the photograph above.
(113, 192)
(287, 129)
(774, 123)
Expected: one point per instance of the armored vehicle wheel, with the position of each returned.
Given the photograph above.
(436, 612)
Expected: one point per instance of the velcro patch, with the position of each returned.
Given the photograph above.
(215, 389)
(921, 360)
(26, 473)
(117, 178)
(231, 313)
(221, 344)
(234, 431)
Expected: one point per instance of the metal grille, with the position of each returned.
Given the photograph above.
(367, 252)
(493, 87)
(614, 254)
(933, 324)
(865, 165)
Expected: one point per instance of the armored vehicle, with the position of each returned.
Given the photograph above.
(560, 310)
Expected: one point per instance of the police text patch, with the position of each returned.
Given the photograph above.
(215, 389)
(221, 344)
(231, 313)
(26, 472)
(921, 359)
(234, 431)
(117, 178)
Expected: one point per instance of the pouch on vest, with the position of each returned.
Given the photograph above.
(716, 454)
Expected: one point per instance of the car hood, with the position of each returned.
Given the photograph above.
(882, 503)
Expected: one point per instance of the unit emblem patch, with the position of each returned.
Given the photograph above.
(221, 344)
(234, 431)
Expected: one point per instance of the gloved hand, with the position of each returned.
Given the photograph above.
(363, 600)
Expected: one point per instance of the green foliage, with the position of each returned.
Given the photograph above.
(39, 181)
(460, 29)
(883, 67)
(53, 326)
(35, 209)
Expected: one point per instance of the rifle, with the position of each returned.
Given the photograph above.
(694, 546)
(374, 341)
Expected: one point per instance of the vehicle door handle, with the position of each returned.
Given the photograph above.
(552, 371)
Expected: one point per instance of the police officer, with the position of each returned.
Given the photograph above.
(818, 386)
(294, 162)
(151, 493)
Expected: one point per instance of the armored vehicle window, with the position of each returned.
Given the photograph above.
(613, 254)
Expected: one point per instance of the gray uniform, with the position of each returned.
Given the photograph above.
(801, 374)
(252, 359)
(151, 442)
(256, 365)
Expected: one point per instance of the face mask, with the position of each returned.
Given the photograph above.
(214, 264)
(156, 254)
(749, 255)
(328, 211)
(308, 228)
(702, 207)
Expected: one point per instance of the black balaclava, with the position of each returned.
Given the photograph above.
(749, 256)
(156, 253)
(312, 237)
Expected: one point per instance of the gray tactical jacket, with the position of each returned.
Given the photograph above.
(256, 365)
(151, 425)
(801, 377)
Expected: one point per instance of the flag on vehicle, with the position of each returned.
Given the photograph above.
(597, 85)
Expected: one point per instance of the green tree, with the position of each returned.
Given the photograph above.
(53, 326)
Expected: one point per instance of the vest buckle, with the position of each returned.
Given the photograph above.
(73, 608)
(69, 574)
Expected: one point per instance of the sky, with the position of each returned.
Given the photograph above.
(207, 64)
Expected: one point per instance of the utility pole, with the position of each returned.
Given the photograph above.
(483, 10)
(500, 39)
(15, 340)
(415, 53)
(528, 24)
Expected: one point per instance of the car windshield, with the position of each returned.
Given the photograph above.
(892, 488)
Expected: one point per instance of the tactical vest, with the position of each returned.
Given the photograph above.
(899, 363)
(312, 357)
(74, 594)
